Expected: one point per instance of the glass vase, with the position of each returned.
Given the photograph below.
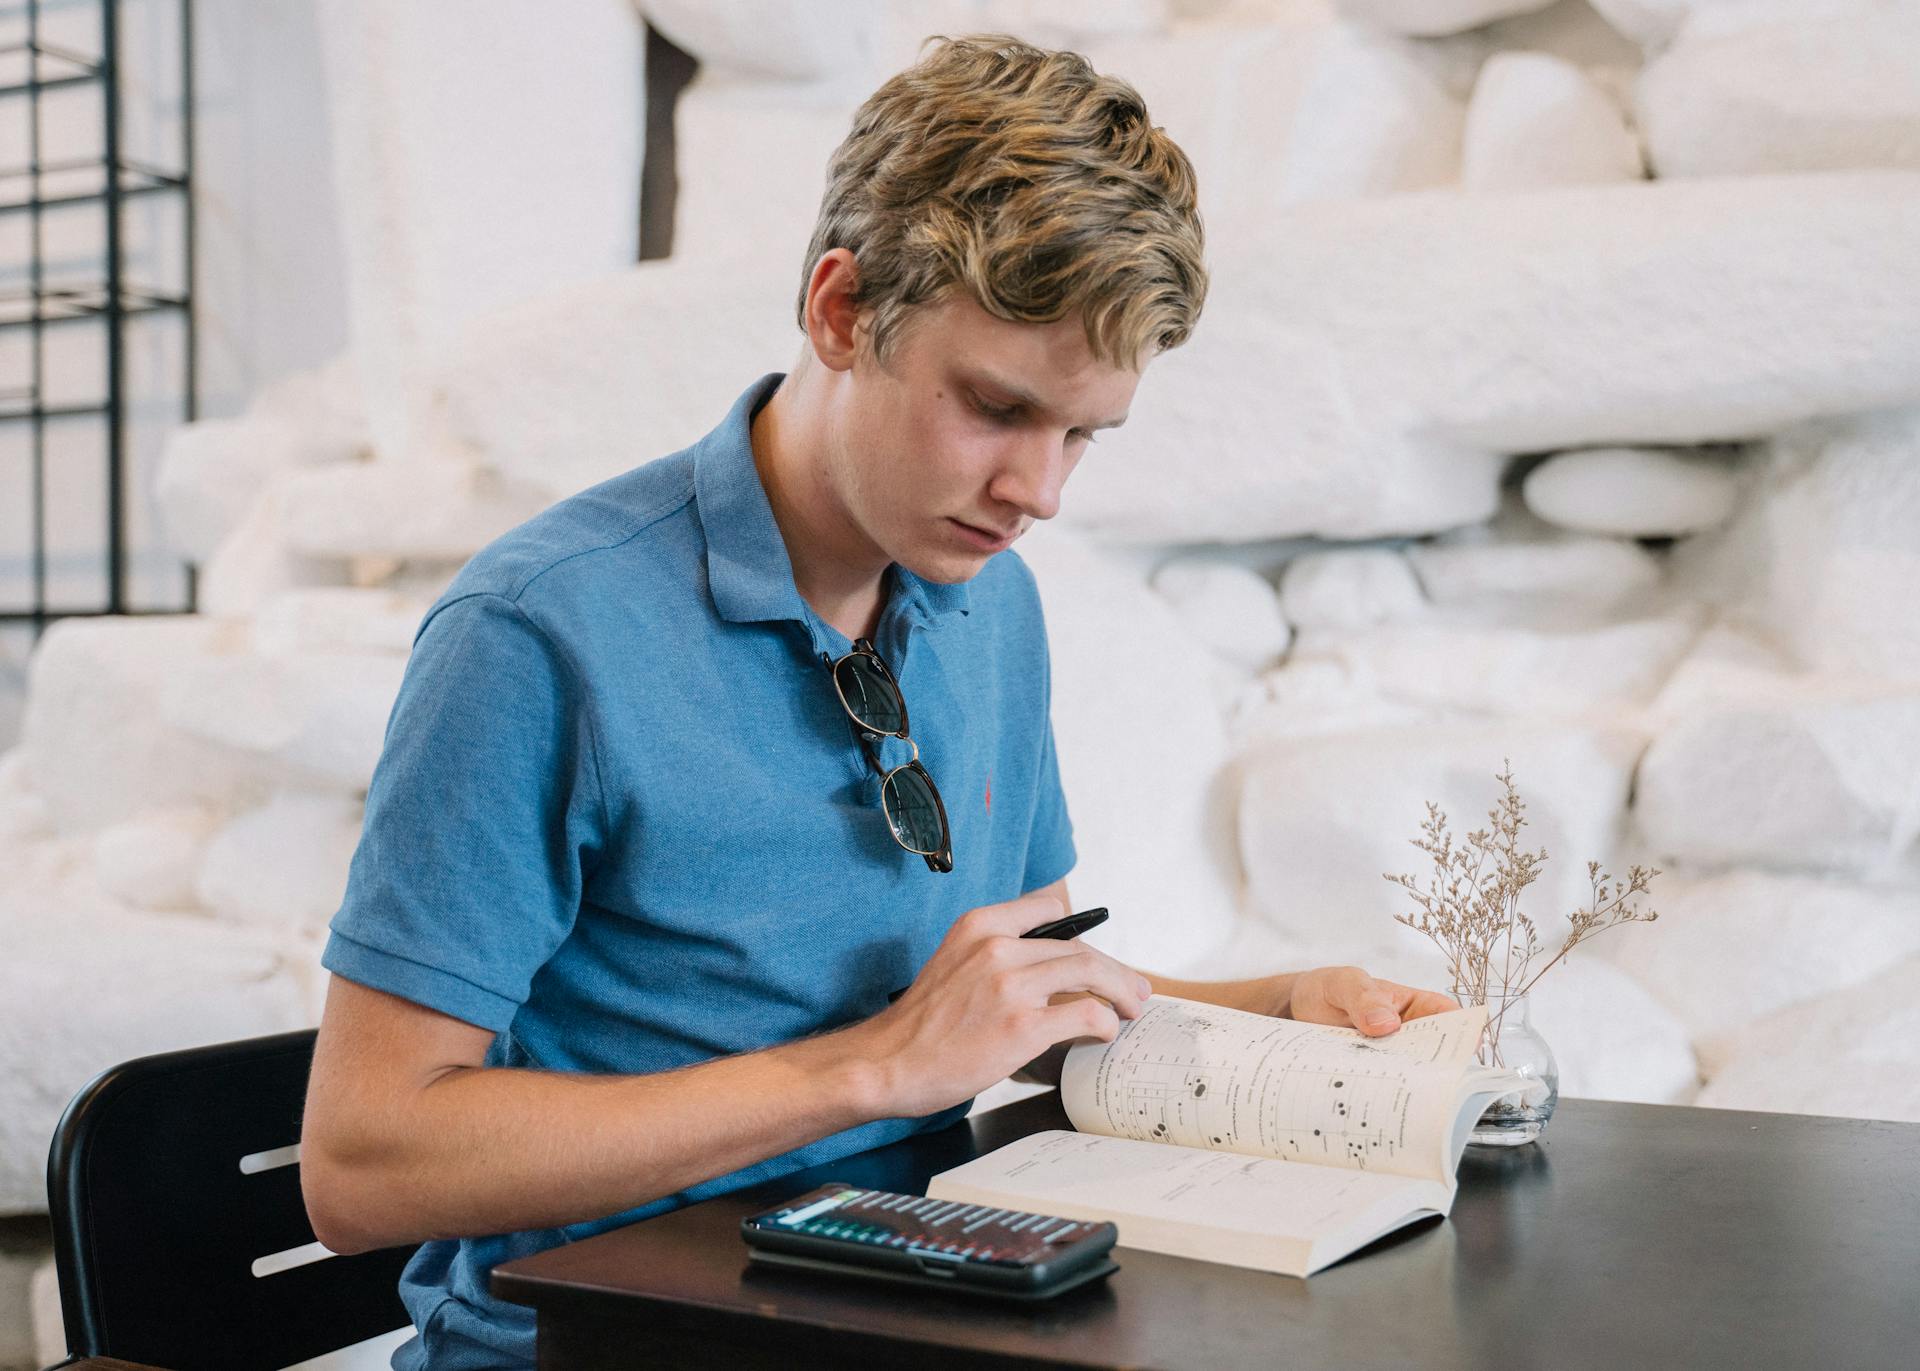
(1511, 1043)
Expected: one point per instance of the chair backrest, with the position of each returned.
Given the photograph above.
(170, 1179)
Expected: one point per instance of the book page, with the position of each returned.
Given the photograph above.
(1200, 1075)
(1216, 1206)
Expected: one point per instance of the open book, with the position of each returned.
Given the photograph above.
(1234, 1137)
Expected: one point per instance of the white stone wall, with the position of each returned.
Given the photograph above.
(1558, 399)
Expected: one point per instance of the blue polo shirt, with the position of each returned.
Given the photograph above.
(620, 819)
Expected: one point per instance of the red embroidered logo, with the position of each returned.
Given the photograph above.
(989, 792)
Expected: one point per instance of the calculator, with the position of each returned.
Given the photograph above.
(911, 1240)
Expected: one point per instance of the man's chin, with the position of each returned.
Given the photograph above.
(949, 568)
(952, 576)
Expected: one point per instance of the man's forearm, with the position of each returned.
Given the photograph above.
(496, 1150)
(1259, 995)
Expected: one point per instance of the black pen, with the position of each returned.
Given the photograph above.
(1070, 927)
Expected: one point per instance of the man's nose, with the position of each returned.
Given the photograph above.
(1033, 478)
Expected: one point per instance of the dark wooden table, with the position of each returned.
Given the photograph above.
(1629, 1236)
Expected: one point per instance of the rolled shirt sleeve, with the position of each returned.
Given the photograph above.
(484, 818)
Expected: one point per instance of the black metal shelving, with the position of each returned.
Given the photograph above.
(112, 180)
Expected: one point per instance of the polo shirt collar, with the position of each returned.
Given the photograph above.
(749, 572)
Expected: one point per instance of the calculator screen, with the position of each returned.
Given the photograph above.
(946, 1228)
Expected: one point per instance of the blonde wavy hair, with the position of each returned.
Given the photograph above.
(1028, 179)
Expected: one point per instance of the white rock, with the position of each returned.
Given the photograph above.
(313, 719)
(49, 1328)
(151, 861)
(1829, 547)
(1771, 941)
(439, 508)
(761, 142)
(1653, 24)
(302, 949)
(462, 185)
(96, 742)
(1650, 23)
(17, 1262)
(1321, 818)
(1596, 574)
(1148, 817)
(210, 474)
(1229, 607)
(1312, 695)
(1073, 23)
(1809, 775)
(23, 810)
(1786, 89)
(1574, 32)
(1634, 492)
(1431, 18)
(1350, 589)
(1373, 118)
(422, 581)
(1259, 947)
(1725, 665)
(212, 471)
(152, 983)
(1611, 1039)
(1326, 108)
(1850, 1052)
(1536, 120)
(1229, 93)
(768, 38)
(1498, 668)
(55, 871)
(284, 863)
(254, 563)
(326, 404)
(345, 619)
(546, 393)
(1387, 331)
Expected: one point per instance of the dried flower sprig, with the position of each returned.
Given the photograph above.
(1470, 907)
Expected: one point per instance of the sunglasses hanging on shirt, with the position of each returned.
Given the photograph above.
(871, 696)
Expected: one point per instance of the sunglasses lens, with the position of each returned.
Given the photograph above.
(913, 810)
(870, 696)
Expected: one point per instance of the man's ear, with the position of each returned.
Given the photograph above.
(833, 317)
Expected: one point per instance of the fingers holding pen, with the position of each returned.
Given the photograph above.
(1039, 969)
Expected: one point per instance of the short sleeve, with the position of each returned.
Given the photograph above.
(483, 818)
(1050, 852)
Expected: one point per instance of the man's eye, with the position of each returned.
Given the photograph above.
(1011, 412)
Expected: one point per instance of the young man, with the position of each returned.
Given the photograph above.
(634, 919)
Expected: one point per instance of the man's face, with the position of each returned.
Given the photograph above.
(973, 421)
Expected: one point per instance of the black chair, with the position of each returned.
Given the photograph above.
(163, 1206)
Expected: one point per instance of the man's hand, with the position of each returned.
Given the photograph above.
(1348, 997)
(989, 1002)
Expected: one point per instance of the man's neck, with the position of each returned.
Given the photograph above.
(844, 587)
